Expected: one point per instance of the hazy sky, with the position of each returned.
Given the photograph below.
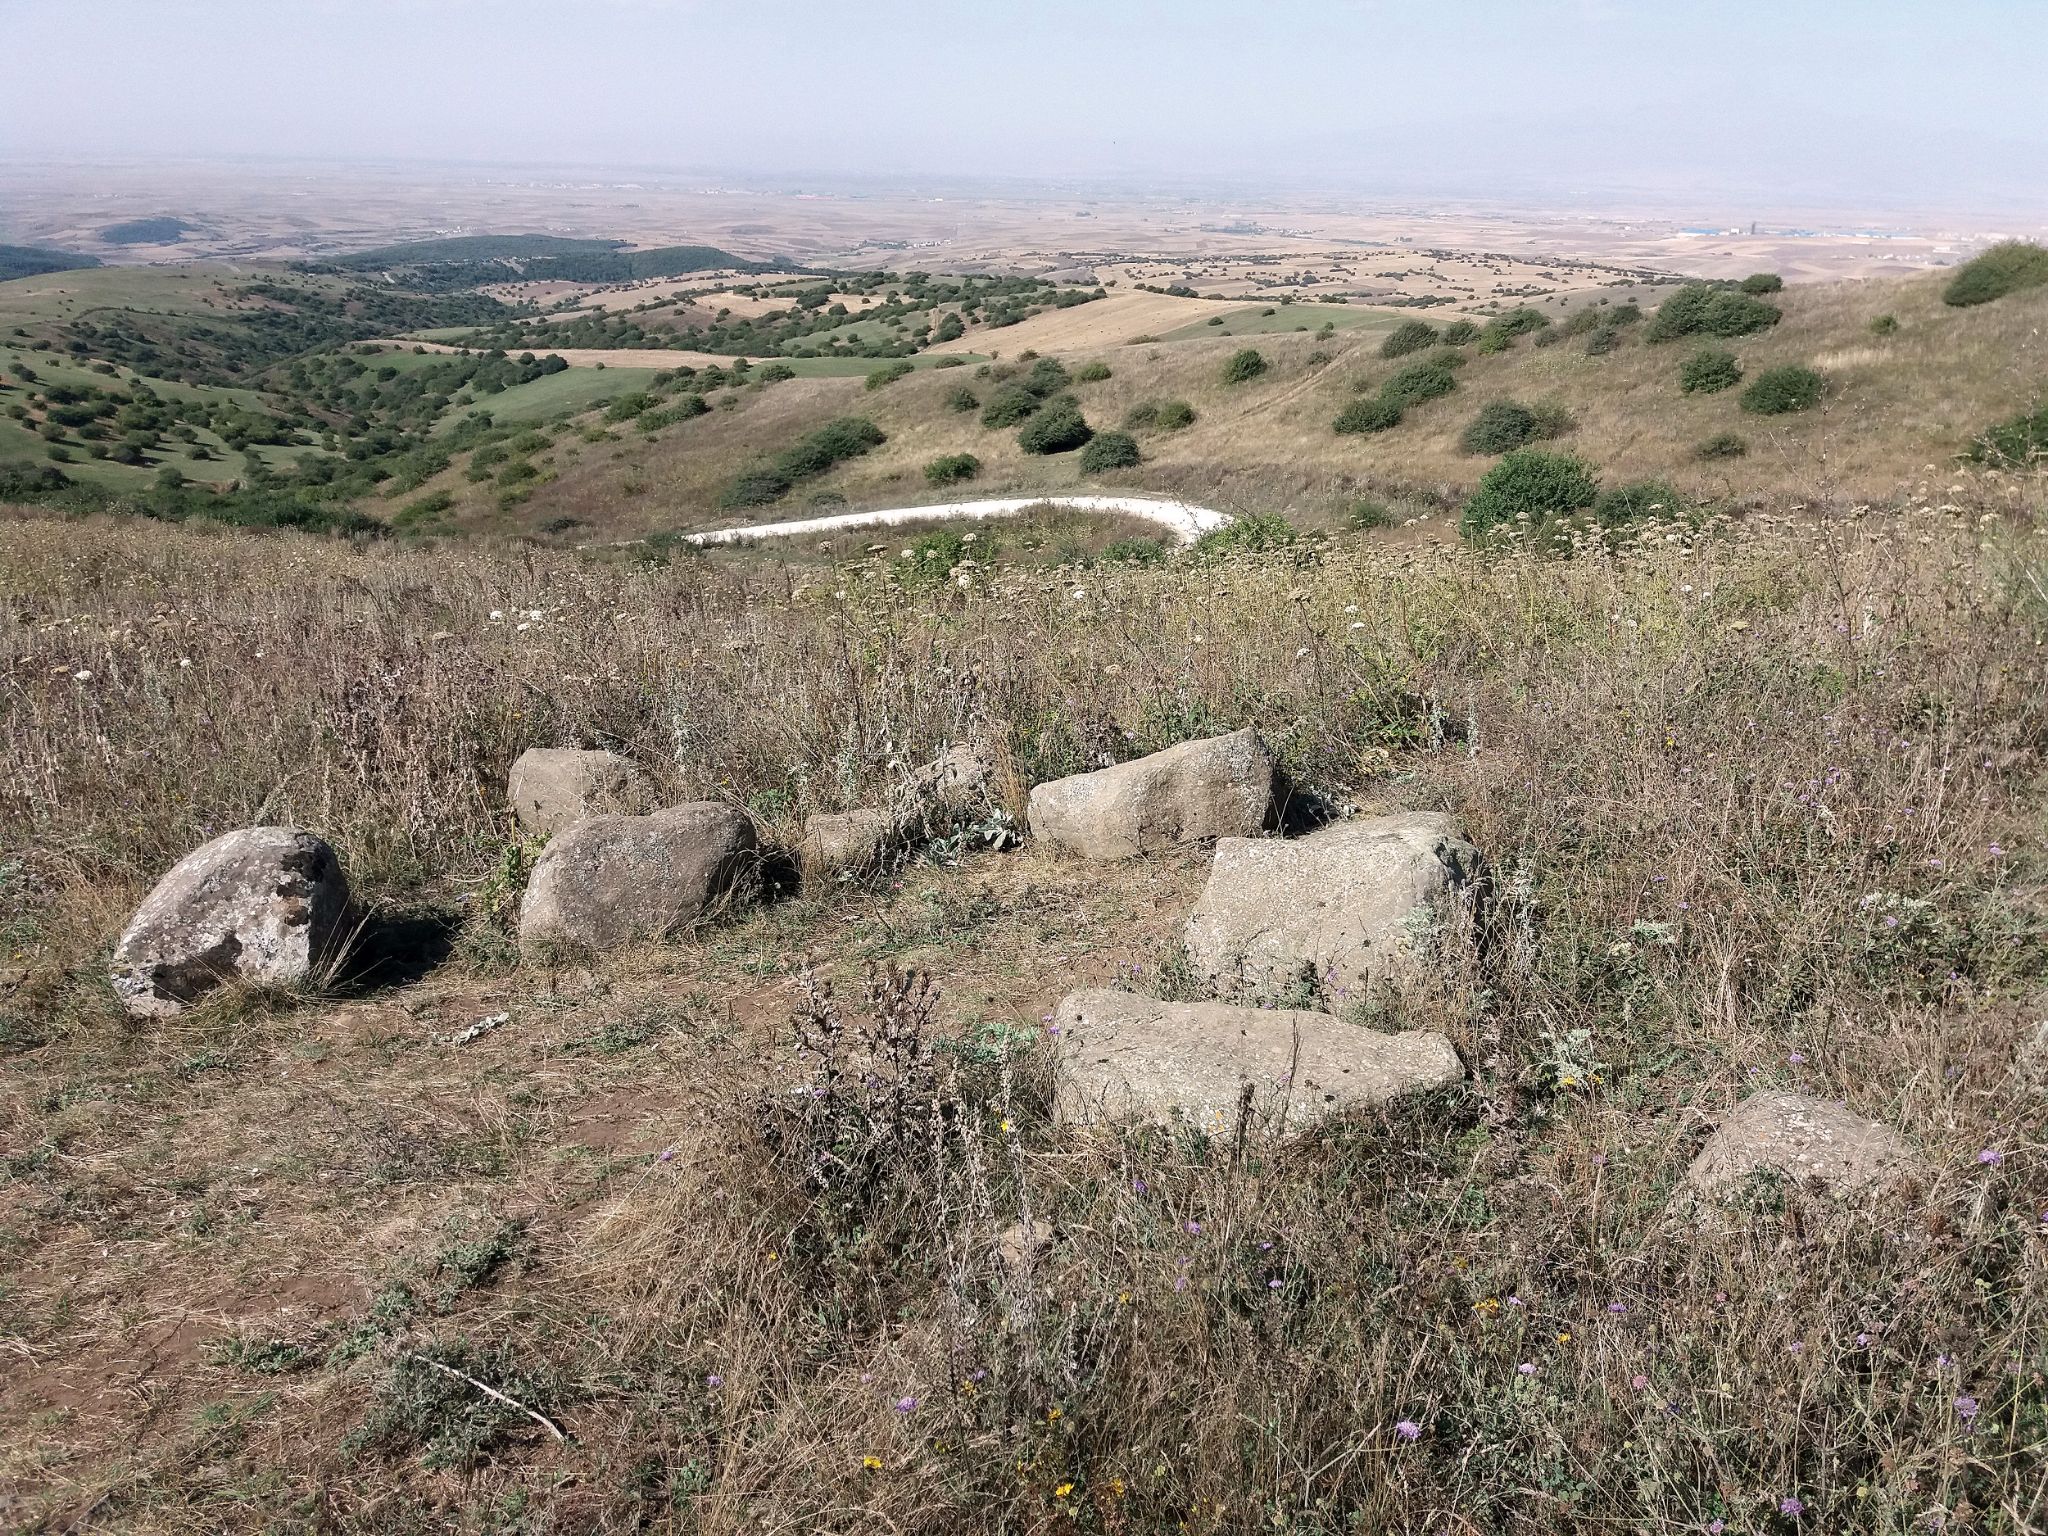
(1861, 100)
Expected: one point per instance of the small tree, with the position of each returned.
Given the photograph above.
(1408, 336)
(2005, 268)
(1459, 332)
(1762, 282)
(1092, 373)
(1110, 450)
(1780, 391)
(1528, 484)
(1419, 382)
(1243, 366)
(1709, 371)
(1009, 406)
(951, 468)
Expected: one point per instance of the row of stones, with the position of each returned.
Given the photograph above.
(1344, 905)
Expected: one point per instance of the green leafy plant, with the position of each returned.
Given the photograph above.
(1242, 366)
(1369, 413)
(2022, 440)
(1365, 514)
(1059, 428)
(1092, 373)
(2009, 267)
(1110, 450)
(1722, 445)
(1159, 416)
(1420, 382)
(1008, 406)
(1459, 333)
(1703, 309)
(1762, 282)
(1408, 336)
(1501, 425)
(1528, 484)
(951, 468)
(1708, 371)
(1632, 503)
(1780, 391)
(890, 372)
(1884, 325)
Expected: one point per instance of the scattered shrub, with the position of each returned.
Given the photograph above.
(1709, 371)
(1253, 532)
(1368, 413)
(962, 399)
(1500, 332)
(1366, 514)
(1528, 484)
(1633, 503)
(1008, 406)
(1047, 377)
(755, 488)
(1501, 425)
(1159, 416)
(1602, 340)
(1762, 282)
(1722, 445)
(1459, 332)
(1779, 391)
(2005, 268)
(627, 406)
(1884, 325)
(1419, 382)
(890, 372)
(1552, 419)
(776, 373)
(1092, 373)
(951, 468)
(1408, 336)
(1059, 428)
(1243, 366)
(1701, 309)
(847, 437)
(2022, 440)
(1110, 450)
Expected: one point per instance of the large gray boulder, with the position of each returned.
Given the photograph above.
(1348, 904)
(1127, 1056)
(262, 904)
(611, 880)
(555, 787)
(1811, 1142)
(1218, 787)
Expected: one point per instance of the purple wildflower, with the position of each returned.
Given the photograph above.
(1408, 1429)
(1194, 1229)
(1966, 1407)
(1526, 1368)
(906, 1405)
(1991, 1157)
(714, 1380)
(1791, 1505)
(1616, 1308)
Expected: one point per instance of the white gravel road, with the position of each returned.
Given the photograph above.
(1186, 522)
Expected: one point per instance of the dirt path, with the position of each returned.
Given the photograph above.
(1186, 522)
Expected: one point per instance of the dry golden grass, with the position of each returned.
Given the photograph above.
(1105, 322)
(227, 1238)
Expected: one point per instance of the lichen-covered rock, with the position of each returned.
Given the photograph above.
(611, 880)
(1123, 1055)
(1811, 1142)
(1218, 787)
(844, 844)
(262, 904)
(555, 787)
(1348, 904)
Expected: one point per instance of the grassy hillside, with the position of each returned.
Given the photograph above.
(1764, 808)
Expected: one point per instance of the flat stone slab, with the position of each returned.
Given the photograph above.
(1123, 1056)
(612, 880)
(1348, 903)
(1811, 1142)
(1218, 787)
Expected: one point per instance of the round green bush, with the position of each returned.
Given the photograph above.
(1092, 373)
(2005, 268)
(1367, 514)
(1419, 382)
(889, 373)
(1780, 391)
(1528, 483)
(962, 399)
(1702, 309)
(1059, 428)
(1368, 413)
(1008, 406)
(2020, 441)
(1243, 366)
(1709, 371)
(1110, 450)
(1500, 426)
(1134, 552)
(1885, 325)
(755, 488)
(1762, 282)
(1174, 415)
(1408, 336)
(950, 468)
(1459, 332)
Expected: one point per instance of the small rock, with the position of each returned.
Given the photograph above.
(1121, 1054)
(1218, 787)
(1346, 904)
(1016, 1250)
(1808, 1140)
(555, 787)
(846, 843)
(609, 880)
(262, 904)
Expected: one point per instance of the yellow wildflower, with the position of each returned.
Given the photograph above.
(1063, 1490)
(1564, 1338)
(1487, 1307)
(1053, 1415)
(872, 1463)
